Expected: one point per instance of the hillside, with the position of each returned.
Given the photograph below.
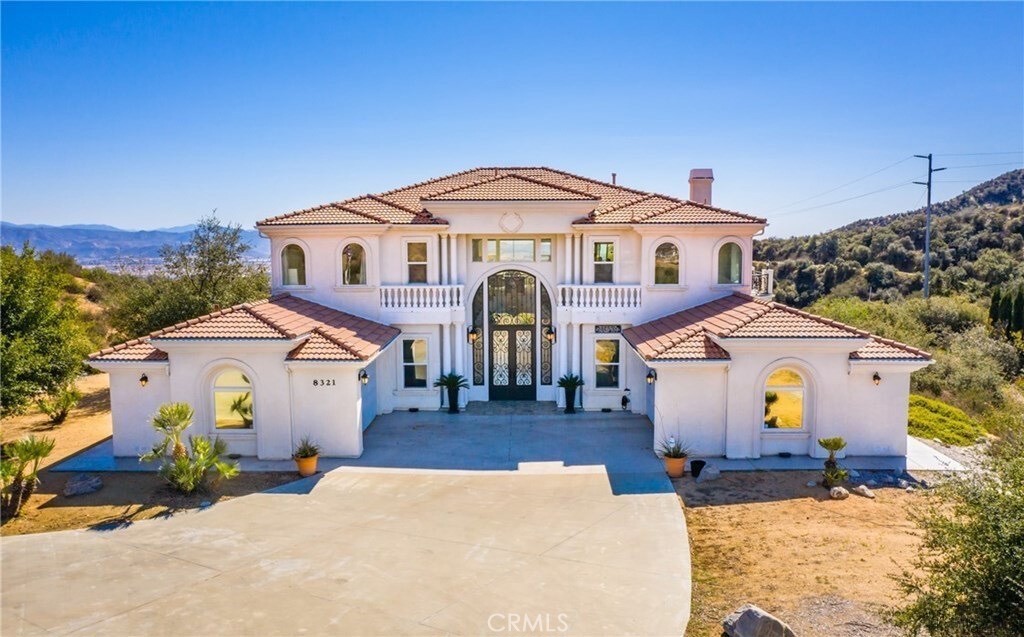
(106, 245)
(977, 244)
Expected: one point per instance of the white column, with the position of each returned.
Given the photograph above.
(567, 248)
(453, 274)
(580, 259)
(460, 357)
(563, 360)
(444, 259)
(446, 348)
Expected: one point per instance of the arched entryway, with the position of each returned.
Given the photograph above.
(514, 309)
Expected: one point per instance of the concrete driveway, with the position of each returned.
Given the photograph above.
(560, 526)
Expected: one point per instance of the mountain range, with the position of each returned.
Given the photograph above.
(94, 244)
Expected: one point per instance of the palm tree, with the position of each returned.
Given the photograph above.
(171, 420)
(20, 471)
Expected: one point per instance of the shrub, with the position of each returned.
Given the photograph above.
(967, 579)
(186, 471)
(834, 474)
(59, 404)
(19, 472)
(931, 419)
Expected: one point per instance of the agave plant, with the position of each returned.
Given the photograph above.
(19, 472)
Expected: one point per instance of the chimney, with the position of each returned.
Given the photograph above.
(613, 178)
(700, 185)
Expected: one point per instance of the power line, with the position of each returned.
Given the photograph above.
(1009, 152)
(833, 203)
(1011, 163)
(849, 183)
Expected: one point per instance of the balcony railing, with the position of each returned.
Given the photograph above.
(420, 297)
(763, 283)
(600, 297)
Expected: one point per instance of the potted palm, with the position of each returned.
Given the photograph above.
(674, 454)
(453, 383)
(570, 383)
(305, 456)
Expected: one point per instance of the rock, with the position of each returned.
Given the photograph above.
(812, 483)
(871, 483)
(710, 472)
(909, 489)
(864, 491)
(924, 484)
(205, 504)
(82, 483)
(838, 493)
(888, 480)
(854, 473)
(750, 621)
(903, 484)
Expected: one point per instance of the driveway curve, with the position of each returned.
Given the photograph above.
(550, 547)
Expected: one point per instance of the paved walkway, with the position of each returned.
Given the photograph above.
(513, 528)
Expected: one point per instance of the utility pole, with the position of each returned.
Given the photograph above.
(928, 224)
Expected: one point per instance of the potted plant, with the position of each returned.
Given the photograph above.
(834, 474)
(305, 456)
(674, 454)
(453, 383)
(570, 383)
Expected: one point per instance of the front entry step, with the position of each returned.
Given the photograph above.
(512, 407)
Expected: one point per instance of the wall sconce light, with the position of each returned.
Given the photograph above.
(550, 334)
(143, 380)
(651, 377)
(364, 378)
(473, 334)
(876, 379)
(625, 399)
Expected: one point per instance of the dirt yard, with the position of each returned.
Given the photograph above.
(821, 565)
(125, 497)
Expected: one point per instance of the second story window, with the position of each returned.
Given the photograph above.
(511, 250)
(666, 264)
(604, 262)
(730, 264)
(416, 261)
(353, 265)
(293, 266)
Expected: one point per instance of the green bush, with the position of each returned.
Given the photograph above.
(968, 579)
(929, 418)
(19, 472)
(59, 404)
(184, 470)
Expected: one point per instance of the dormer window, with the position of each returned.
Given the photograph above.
(604, 262)
(666, 264)
(353, 265)
(730, 264)
(293, 265)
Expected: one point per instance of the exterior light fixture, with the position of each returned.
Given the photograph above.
(550, 334)
(364, 378)
(652, 376)
(876, 379)
(473, 334)
(143, 380)
(625, 399)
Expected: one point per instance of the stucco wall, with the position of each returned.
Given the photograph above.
(690, 405)
(327, 407)
(132, 406)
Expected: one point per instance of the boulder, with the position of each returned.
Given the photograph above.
(812, 483)
(750, 621)
(838, 493)
(710, 472)
(82, 483)
(864, 491)
(903, 484)
(854, 473)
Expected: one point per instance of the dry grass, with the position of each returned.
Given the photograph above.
(125, 497)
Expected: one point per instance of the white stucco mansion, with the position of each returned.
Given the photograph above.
(513, 277)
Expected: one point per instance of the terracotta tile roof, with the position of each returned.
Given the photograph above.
(335, 335)
(686, 335)
(612, 203)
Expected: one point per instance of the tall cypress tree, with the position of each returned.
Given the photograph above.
(1006, 311)
(993, 309)
(1017, 321)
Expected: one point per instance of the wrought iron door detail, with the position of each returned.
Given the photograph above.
(499, 357)
(511, 316)
(524, 357)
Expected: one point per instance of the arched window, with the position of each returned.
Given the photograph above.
(293, 265)
(784, 400)
(730, 264)
(232, 400)
(353, 265)
(666, 264)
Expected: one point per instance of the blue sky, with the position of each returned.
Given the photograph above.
(150, 115)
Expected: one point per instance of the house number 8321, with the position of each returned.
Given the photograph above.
(323, 382)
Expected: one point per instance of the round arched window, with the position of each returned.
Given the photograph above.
(730, 264)
(666, 264)
(784, 400)
(293, 265)
(232, 400)
(353, 265)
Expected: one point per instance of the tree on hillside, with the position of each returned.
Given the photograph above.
(42, 340)
(207, 273)
(993, 308)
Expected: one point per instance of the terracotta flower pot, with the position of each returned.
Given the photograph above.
(307, 466)
(675, 467)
